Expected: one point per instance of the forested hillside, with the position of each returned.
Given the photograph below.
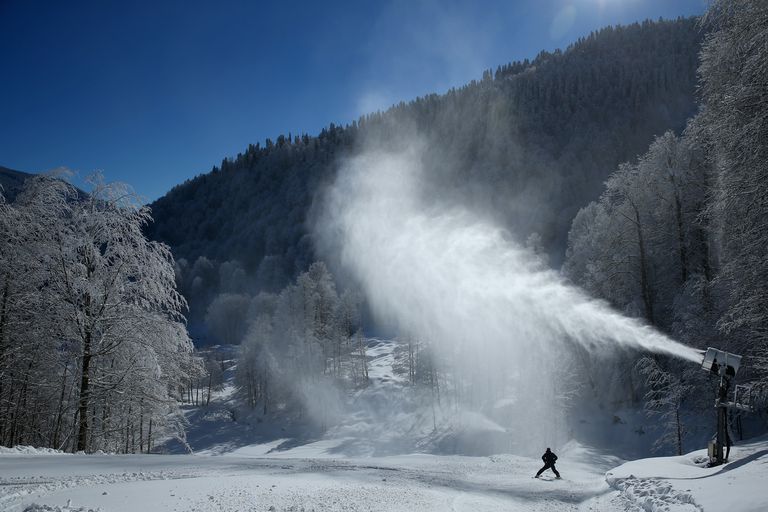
(679, 235)
(531, 143)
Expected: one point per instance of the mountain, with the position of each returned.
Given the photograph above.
(11, 182)
(530, 143)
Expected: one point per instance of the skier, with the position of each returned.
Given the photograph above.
(549, 459)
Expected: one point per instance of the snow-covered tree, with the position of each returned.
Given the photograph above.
(227, 317)
(734, 117)
(668, 389)
(698, 203)
(301, 346)
(93, 335)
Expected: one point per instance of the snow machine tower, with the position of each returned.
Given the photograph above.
(725, 366)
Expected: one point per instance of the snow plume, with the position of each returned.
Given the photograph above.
(449, 276)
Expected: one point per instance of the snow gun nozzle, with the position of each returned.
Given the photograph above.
(721, 363)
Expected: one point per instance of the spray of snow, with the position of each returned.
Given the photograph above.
(447, 275)
(498, 317)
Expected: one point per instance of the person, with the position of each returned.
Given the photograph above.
(549, 459)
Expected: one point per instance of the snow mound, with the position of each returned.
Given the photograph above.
(683, 483)
(29, 450)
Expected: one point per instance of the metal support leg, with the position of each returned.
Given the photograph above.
(722, 425)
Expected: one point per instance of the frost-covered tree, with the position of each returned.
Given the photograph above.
(619, 266)
(701, 200)
(668, 389)
(301, 346)
(26, 314)
(256, 372)
(119, 291)
(734, 120)
(227, 317)
(93, 336)
(643, 242)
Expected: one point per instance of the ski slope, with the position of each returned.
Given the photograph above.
(290, 482)
(294, 482)
(237, 467)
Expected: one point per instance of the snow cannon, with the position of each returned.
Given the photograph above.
(723, 365)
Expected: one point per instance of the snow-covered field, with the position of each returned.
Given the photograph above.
(234, 470)
(292, 482)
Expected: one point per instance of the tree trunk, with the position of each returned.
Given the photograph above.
(3, 321)
(82, 408)
(266, 395)
(210, 381)
(3, 315)
(8, 414)
(363, 358)
(149, 436)
(60, 413)
(21, 409)
(645, 285)
(681, 239)
(141, 431)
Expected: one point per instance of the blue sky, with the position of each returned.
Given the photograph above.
(155, 92)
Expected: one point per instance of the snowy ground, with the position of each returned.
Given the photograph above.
(685, 483)
(287, 483)
(237, 468)
(293, 482)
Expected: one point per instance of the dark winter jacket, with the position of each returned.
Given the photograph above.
(549, 458)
